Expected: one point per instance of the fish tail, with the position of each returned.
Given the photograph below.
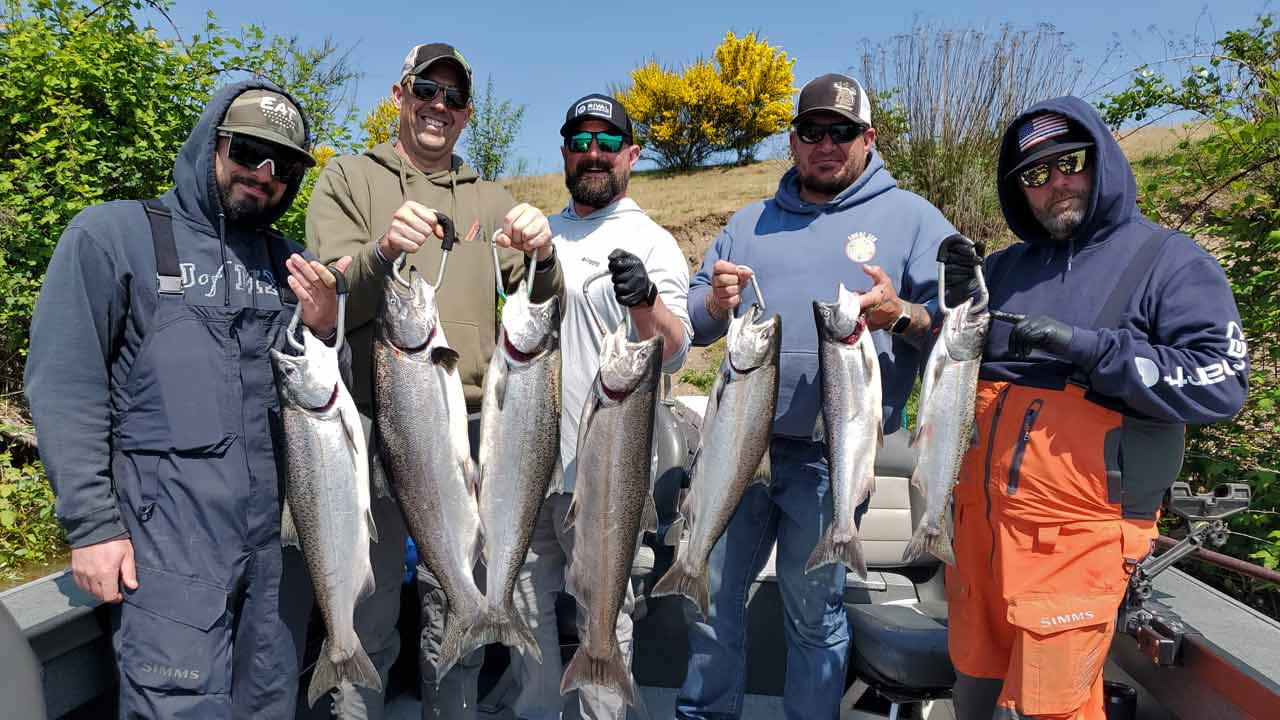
(935, 541)
(830, 551)
(502, 625)
(609, 673)
(332, 670)
(680, 581)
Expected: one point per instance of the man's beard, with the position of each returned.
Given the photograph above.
(246, 211)
(833, 185)
(1064, 223)
(595, 191)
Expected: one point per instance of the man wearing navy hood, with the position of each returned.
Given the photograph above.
(1130, 333)
(838, 217)
(151, 388)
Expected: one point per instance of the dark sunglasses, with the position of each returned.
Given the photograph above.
(840, 133)
(1069, 164)
(427, 90)
(253, 153)
(581, 142)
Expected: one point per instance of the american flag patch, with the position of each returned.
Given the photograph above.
(1041, 128)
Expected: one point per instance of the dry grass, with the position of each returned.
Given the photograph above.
(1158, 139)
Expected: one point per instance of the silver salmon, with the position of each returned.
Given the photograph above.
(327, 505)
(853, 423)
(732, 450)
(519, 446)
(611, 505)
(422, 428)
(944, 430)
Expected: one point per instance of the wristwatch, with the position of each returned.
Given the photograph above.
(904, 320)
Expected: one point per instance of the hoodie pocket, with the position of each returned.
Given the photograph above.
(1024, 439)
(473, 360)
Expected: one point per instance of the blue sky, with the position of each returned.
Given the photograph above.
(545, 55)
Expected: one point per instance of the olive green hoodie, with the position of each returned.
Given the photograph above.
(351, 208)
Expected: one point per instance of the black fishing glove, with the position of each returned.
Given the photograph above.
(1040, 332)
(961, 256)
(631, 284)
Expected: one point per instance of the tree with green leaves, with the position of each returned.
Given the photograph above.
(1221, 185)
(494, 125)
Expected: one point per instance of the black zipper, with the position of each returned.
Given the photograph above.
(1024, 439)
(986, 475)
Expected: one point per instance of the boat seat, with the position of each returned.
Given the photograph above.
(901, 650)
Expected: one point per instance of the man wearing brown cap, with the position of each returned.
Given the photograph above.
(150, 383)
(377, 207)
(837, 219)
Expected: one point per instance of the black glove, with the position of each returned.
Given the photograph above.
(961, 256)
(1040, 332)
(631, 284)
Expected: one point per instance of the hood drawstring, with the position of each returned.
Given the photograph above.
(1071, 251)
(222, 269)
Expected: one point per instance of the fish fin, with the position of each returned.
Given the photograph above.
(351, 425)
(679, 581)
(649, 515)
(829, 551)
(581, 591)
(880, 434)
(671, 538)
(446, 357)
(368, 586)
(472, 475)
(499, 625)
(937, 544)
(611, 673)
(973, 436)
(915, 433)
(373, 527)
(288, 530)
(329, 673)
(378, 477)
(819, 428)
(764, 471)
(571, 514)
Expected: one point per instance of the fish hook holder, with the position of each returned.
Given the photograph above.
(446, 245)
(595, 316)
(340, 335)
(984, 295)
(497, 268)
(755, 285)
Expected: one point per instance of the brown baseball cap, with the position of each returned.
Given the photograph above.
(835, 93)
(424, 56)
(269, 116)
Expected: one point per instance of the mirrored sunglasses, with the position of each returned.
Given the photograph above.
(581, 142)
(253, 153)
(1068, 164)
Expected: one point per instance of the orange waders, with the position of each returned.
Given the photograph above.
(1048, 524)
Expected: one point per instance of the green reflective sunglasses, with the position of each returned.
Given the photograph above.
(581, 142)
(1068, 164)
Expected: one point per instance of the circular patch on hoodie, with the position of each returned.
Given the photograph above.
(1147, 370)
(860, 247)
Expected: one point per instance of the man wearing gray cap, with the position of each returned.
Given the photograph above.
(151, 388)
(378, 207)
(835, 213)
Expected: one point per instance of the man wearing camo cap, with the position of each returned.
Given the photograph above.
(150, 384)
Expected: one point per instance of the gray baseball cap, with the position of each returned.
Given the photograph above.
(839, 94)
(269, 116)
(424, 56)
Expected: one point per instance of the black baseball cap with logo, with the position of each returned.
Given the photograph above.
(596, 107)
(835, 93)
(269, 116)
(1044, 135)
(424, 56)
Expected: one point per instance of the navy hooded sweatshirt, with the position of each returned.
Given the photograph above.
(95, 310)
(1177, 355)
(803, 252)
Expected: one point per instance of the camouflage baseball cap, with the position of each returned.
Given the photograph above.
(268, 116)
(422, 57)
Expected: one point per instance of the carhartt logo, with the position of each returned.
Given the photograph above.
(594, 107)
(168, 672)
(1067, 619)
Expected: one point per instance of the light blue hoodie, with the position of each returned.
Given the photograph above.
(802, 252)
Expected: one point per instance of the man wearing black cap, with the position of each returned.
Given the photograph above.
(600, 228)
(837, 211)
(377, 207)
(1130, 333)
(150, 384)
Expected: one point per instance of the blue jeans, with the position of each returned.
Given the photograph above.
(794, 510)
